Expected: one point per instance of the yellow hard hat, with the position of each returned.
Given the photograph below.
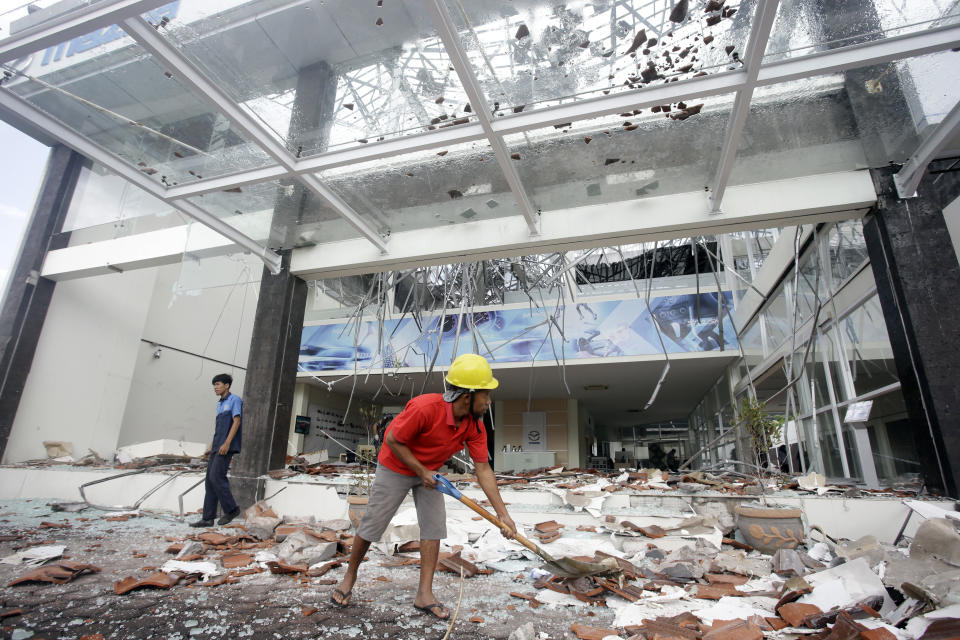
(470, 371)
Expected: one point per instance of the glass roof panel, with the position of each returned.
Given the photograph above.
(864, 117)
(537, 52)
(803, 27)
(623, 157)
(363, 72)
(104, 206)
(279, 213)
(107, 88)
(459, 183)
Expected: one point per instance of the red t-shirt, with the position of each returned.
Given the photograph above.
(426, 425)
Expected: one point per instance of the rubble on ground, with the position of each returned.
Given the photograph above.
(688, 576)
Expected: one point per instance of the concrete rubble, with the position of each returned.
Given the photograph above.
(679, 575)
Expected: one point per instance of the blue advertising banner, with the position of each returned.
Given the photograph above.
(581, 330)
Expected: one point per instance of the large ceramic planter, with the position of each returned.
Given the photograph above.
(769, 528)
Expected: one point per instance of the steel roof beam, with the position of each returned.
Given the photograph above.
(899, 47)
(762, 25)
(249, 125)
(12, 103)
(471, 86)
(908, 177)
(72, 24)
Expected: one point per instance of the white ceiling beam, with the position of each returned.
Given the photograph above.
(832, 196)
(861, 55)
(441, 137)
(762, 25)
(478, 100)
(167, 54)
(72, 24)
(898, 47)
(907, 179)
(12, 103)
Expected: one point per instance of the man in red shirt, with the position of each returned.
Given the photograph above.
(429, 430)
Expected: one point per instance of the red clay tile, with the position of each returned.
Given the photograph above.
(846, 628)
(795, 612)
(653, 531)
(877, 634)
(476, 620)
(309, 611)
(584, 632)
(716, 591)
(9, 613)
(58, 573)
(547, 527)
(776, 623)
(281, 567)
(736, 630)
(235, 560)
(159, 580)
(725, 578)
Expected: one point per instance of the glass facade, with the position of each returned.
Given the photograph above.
(843, 357)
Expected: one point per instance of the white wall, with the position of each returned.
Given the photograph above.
(201, 317)
(95, 381)
(81, 373)
(951, 213)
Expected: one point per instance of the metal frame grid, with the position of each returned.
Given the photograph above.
(752, 74)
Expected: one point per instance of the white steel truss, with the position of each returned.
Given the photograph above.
(909, 176)
(14, 104)
(73, 24)
(754, 74)
(756, 46)
(145, 35)
(458, 58)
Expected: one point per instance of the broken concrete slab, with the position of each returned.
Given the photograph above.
(301, 548)
(35, 555)
(866, 547)
(937, 538)
(846, 585)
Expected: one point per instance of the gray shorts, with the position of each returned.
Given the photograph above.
(388, 491)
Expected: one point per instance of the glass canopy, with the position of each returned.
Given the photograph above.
(298, 122)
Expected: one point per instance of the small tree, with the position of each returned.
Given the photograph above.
(763, 429)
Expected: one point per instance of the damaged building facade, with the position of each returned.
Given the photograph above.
(564, 231)
(645, 214)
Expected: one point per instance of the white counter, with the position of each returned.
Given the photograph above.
(528, 460)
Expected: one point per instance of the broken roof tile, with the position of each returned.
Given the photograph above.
(585, 632)
(159, 580)
(795, 612)
(59, 573)
(735, 630)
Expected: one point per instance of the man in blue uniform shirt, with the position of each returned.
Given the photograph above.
(226, 442)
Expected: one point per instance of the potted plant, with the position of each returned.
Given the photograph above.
(765, 527)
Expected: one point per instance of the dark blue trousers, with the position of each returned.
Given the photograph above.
(218, 487)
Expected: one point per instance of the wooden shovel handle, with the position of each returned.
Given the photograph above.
(495, 520)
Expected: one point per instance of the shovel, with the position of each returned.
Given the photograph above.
(563, 567)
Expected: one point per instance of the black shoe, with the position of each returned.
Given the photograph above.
(227, 517)
(202, 523)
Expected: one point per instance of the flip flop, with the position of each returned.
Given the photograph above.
(430, 608)
(343, 596)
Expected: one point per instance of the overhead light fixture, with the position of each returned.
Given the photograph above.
(595, 387)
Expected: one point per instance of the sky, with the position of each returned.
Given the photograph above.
(22, 163)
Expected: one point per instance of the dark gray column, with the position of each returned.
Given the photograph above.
(271, 376)
(918, 283)
(28, 295)
(275, 344)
